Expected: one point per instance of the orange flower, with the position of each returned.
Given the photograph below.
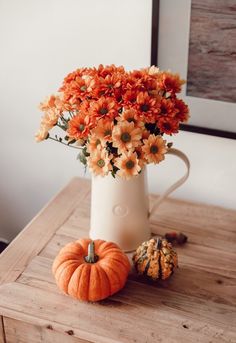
(131, 115)
(182, 111)
(109, 70)
(148, 107)
(128, 165)
(42, 134)
(140, 155)
(171, 82)
(78, 73)
(52, 108)
(53, 102)
(93, 143)
(154, 149)
(167, 108)
(125, 136)
(110, 82)
(84, 107)
(168, 125)
(130, 97)
(103, 130)
(71, 103)
(145, 134)
(79, 127)
(104, 107)
(153, 70)
(99, 162)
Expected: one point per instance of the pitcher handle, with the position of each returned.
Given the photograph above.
(178, 183)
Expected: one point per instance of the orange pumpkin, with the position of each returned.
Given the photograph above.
(91, 270)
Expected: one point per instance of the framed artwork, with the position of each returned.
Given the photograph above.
(197, 39)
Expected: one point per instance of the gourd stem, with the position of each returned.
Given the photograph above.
(92, 257)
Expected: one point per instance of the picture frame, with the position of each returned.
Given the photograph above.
(169, 50)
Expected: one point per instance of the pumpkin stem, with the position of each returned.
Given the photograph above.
(92, 257)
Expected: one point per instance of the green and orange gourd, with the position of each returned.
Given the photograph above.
(155, 259)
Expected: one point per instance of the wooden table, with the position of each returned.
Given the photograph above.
(196, 305)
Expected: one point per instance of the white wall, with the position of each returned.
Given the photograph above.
(41, 41)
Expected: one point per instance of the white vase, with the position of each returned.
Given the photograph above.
(120, 208)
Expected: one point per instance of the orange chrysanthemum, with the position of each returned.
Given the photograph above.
(99, 162)
(111, 82)
(84, 107)
(78, 87)
(103, 130)
(130, 97)
(41, 134)
(126, 136)
(53, 102)
(93, 143)
(109, 70)
(154, 149)
(131, 115)
(104, 108)
(49, 119)
(168, 125)
(128, 165)
(171, 83)
(140, 156)
(153, 70)
(79, 127)
(148, 107)
(182, 110)
(117, 112)
(145, 134)
(167, 108)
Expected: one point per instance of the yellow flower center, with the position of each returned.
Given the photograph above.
(101, 163)
(153, 149)
(129, 164)
(125, 137)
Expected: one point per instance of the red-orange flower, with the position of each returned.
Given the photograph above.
(105, 107)
(79, 127)
(130, 97)
(182, 110)
(171, 83)
(148, 107)
(168, 125)
(109, 70)
(167, 108)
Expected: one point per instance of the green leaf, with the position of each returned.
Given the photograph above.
(82, 158)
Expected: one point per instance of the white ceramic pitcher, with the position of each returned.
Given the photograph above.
(120, 208)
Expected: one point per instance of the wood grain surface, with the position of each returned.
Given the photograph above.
(197, 304)
(212, 50)
(2, 331)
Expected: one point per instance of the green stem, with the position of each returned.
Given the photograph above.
(70, 146)
(92, 257)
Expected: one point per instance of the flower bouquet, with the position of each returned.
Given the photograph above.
(117, 118)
